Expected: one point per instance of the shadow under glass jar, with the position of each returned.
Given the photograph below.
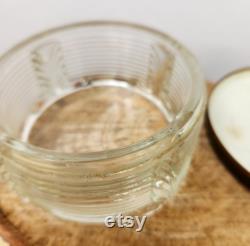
(98, 118)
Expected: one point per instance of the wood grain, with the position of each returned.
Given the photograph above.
(211, 208)
(96, 119)
(9, 235)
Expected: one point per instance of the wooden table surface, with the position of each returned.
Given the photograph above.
(211, 208)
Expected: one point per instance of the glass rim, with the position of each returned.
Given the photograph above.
(42, 153)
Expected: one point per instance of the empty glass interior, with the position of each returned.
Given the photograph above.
(138, 82)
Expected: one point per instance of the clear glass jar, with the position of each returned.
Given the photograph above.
(133, 179)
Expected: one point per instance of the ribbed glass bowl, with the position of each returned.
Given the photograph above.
(90, 184)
